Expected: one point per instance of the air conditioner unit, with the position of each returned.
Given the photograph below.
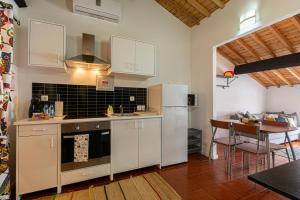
(109, 10)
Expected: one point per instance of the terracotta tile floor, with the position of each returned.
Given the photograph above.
(197, 179)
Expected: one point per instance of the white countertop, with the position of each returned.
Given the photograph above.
(60, 120)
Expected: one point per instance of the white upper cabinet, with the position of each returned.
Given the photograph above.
(46, 44)
(145, 58)
(123, 55)
(132, 57)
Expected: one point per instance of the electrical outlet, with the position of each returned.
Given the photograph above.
(141, 107)
(132, 98)
(44, 98)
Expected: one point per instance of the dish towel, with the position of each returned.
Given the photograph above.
(81, 148)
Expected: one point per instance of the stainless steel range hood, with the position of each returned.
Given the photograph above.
(87, 60)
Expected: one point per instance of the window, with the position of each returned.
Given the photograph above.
(248, 20)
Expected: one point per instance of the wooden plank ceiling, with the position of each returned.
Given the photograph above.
(279, 39)
(191, 12)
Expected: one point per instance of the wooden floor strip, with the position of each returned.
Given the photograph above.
(145, 190)
(147, 187)
(161, 188)
(64, 196)
(81, 195)
(129, 190)
(114, 192)
(99, 193)
(165, 183)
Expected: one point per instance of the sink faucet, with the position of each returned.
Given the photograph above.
(121, 109)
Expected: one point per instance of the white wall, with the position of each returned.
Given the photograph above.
(285, 99)
(222, 26)
(244, 94)
(141, 19)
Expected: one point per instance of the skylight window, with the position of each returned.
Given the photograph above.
(248, 20)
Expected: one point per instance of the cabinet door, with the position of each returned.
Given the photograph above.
(37, 163)
(149, 142)
(145, 59)
(124, 150)
(123, 55)
(46, 44)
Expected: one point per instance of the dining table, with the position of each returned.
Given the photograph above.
(283, 179)
(266, 130)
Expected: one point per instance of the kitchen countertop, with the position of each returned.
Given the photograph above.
(60, 120)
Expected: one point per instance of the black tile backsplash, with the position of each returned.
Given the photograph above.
(84, 101)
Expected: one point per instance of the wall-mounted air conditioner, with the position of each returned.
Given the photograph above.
(109, 10)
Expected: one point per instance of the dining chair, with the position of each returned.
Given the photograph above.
(256, 148)
(277, 147)
(229, 141)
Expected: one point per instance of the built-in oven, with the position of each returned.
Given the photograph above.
(98, 144)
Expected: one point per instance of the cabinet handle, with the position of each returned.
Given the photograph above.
(52, 142)
(142, 124)
(58, 58)
(39, 129)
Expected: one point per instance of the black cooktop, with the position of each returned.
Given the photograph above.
(85, 117)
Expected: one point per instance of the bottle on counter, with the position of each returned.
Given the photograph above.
(46, 109)
(51, 110)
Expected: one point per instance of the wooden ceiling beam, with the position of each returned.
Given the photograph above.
(237, 54)
(281, 77)
(296, 21)
(226, 56)
(219, 3)
(199, 7)
(294, 73)
(282, 38)
(253, 75)
(190, 19)
(256, 38)
(265, 76)
(290, 60)
(248, 48)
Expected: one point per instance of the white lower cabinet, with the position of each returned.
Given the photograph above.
(37, 158)
(135, 144)
(124, 145)
(149, 142)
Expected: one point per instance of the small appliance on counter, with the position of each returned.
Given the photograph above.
(59, 107)
(36, 106)
(192, 99)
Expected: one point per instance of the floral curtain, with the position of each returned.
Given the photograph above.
(6, 51)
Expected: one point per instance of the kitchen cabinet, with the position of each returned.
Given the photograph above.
(132, 57)
(46, 44)
(135, 144)
(37, 158)
(123, 55)
(124, 142)
(149, 142)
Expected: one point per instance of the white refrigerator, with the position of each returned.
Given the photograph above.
(170, 100)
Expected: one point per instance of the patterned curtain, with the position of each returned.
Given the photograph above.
(6, 48)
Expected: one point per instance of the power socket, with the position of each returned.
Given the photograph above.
(44, 98)
(131, 98)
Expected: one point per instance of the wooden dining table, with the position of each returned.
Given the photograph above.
(266, 130)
